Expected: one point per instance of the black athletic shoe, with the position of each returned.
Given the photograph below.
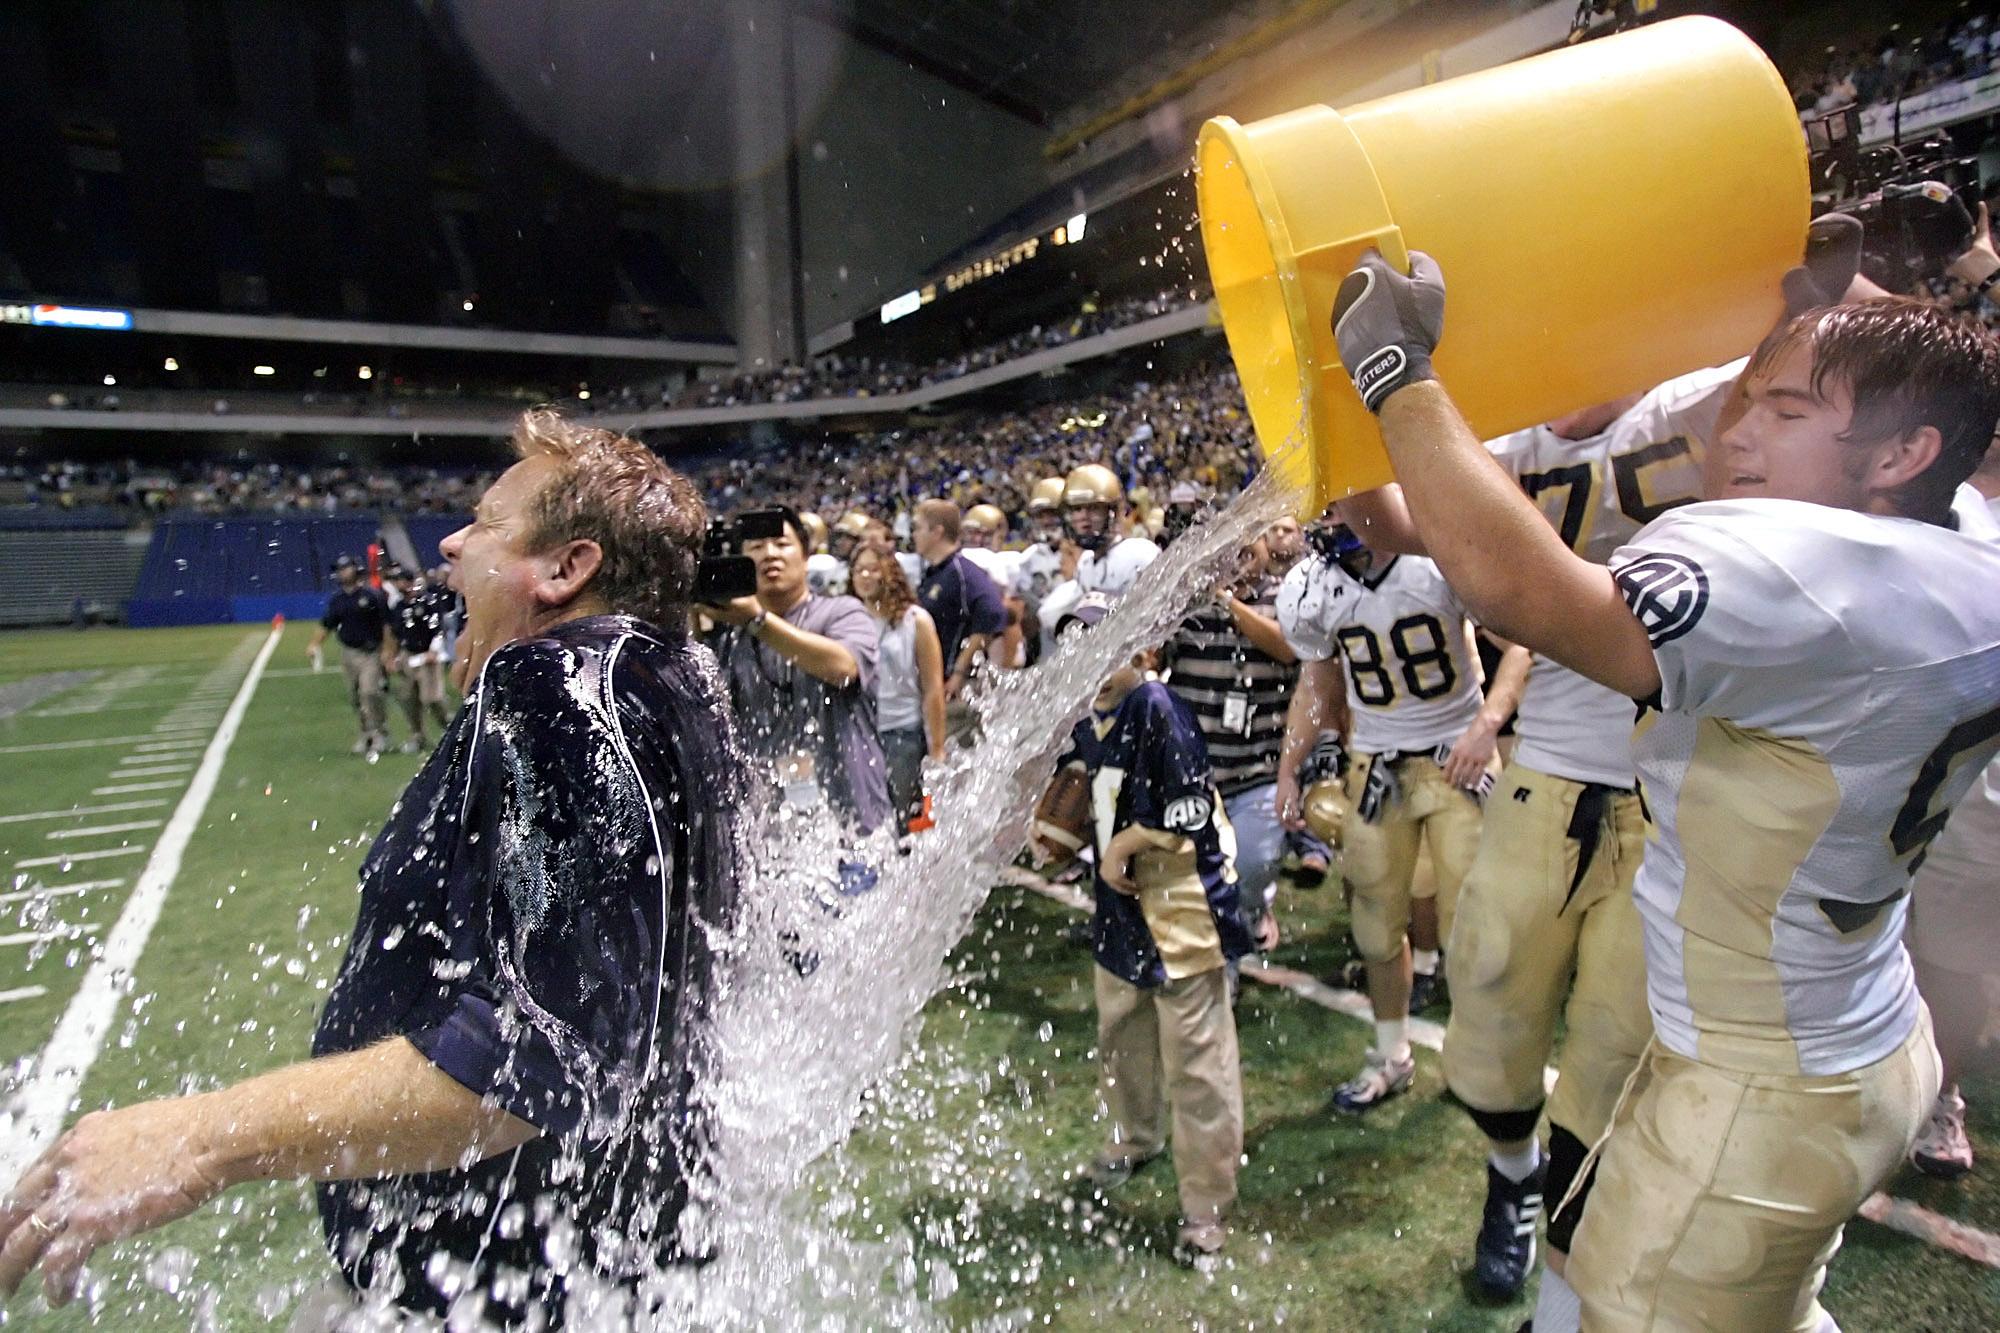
(1504, 1254)
(1426, 989)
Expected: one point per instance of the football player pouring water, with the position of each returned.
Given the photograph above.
(1820, 656)
(1547, 928)
(1422, 759)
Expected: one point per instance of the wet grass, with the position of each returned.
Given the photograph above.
(1344, 1224)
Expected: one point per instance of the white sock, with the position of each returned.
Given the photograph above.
(1557, 1309)
(1424, 961)
(1392, 1039)
(1517, 1166)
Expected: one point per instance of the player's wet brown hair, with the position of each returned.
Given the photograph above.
(610, 489)
(1907, 365)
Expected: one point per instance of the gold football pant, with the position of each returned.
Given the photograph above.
(1378, 861)
(1174, 1046)
(1542, 932)
(1720, 1195)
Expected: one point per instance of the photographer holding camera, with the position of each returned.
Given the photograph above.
(801, 673)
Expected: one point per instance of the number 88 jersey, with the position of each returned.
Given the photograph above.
(1402, 638)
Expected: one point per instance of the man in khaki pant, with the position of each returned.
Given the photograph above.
(1167, 923)
(358, 616)
(416, 669)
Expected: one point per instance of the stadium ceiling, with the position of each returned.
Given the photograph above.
(1043, 60)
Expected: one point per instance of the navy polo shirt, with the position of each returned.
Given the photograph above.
(357, 618)
(962, 599)
(534, 919)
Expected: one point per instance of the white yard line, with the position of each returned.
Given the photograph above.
(152, 771)
(57, 890)
(64, 858)
(121, 789)
(42, 936)
(177, 748)
(99, 830)
(23, 993)
(37, 1111)
(76, 810)
(72, 745)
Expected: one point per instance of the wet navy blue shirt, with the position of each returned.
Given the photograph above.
(1149, 765)
(532, 920)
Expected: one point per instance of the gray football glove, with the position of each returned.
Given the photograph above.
(1387, 324)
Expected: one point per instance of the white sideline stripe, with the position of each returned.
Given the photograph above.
(41, 936)
(37, 1111)
(82, 810)
(72, 745)
(22, 993)
(58, 890)
(153, 771)
(134, 786)
(99, 830)
(64, 858)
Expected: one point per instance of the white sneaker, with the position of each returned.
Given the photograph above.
(412, 746)
(1379, 1080)
(1943, 1150)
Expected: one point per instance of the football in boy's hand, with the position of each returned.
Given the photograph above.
(1062, 816)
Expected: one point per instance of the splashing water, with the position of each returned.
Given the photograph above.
(801, 1046)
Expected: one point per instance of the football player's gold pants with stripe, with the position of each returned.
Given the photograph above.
(1378, 861)
(1534, 940)
(1721, 1195)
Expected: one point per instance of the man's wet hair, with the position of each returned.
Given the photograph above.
(1906, 364)
(610, 489)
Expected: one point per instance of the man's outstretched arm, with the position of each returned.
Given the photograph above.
(1499, 554)
(382, 1111)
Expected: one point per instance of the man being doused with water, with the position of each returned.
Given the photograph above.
(505, 1107)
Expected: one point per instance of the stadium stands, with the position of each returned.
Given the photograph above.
(208, 570)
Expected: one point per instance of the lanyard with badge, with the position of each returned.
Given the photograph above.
(1236, 709)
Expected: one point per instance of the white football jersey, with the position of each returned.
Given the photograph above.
(1039, 570)
(1062, 599)
(1401, 635)
(826, 576)
(1597, 492)
(998, 565)
(1830, 687)
(1114, 572)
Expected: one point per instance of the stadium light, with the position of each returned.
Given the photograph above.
(1073, 229)
(468, 307)
(365, 373)
(906, 304)
(583, 395)
(110, 380)
(170, 364)
(263, 370)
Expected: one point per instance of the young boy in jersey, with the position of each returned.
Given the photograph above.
(1818, 648)
(1422, 759)
(1168, 921)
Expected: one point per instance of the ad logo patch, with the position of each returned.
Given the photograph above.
(1668, 593)
(1378, 373)
(1187, 813)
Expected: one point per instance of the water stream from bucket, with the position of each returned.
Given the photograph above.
(800, 1054)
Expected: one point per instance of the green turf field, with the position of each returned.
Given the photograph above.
(1343, 1225)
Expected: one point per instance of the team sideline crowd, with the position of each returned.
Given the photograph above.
(1666, 724)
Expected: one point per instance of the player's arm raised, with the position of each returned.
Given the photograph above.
(1499, 554)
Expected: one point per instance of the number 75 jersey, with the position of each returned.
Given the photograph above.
(1402, 637)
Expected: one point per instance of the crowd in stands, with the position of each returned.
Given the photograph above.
(145, 489)
(1192, 428)
(836, 376)
(1897, 65)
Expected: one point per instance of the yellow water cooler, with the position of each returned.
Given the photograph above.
(1606, 216)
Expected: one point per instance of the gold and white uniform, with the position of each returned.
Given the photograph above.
(1830, 688)
(1546, 932)
(1413, 685)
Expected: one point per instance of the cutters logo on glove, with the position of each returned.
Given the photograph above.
(1378, 374)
